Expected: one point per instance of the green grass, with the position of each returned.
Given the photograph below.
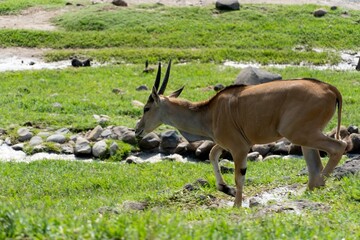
(59, 199)
(13, 7)
(265, 34)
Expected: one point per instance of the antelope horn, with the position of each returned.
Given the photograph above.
(166, 79)
(157, 80)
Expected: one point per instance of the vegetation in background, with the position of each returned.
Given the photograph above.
(256, 33)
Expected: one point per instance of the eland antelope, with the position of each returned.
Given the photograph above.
(240, 116)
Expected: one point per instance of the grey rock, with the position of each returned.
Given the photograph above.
(254, 157)
(128, 137)
(18, 147)
(114, 147)
(67, 148)
(36, 140)
(119, 3)
(319, 13)
(184, 149)
(149, 142)
(169, 141)
(100, 149)
(343, 132)
(280, 148)
(95, 133)
(263, 149)
(254, 76)
(202, 152)
(56, 138)
(2, 131)
(142, 88)
(24, 134)
(82, 147)
(295, 150)
(353, 129)
(106, 133)
(8, 141)
(227, 5)
(101, 119)
(355, 143)
(350, 167)
(62, 131)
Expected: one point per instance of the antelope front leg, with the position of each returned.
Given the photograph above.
(240, 171)
(214, 156)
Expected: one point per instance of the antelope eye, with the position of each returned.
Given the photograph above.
(146, 109)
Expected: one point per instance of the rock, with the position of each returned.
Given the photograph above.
(218, 87)
(355, 143)
(254, 76)
(142, 88)
(351, 166)
(319, 13)
(358, 65)
(76, 63)
(101, 119)
(226, 5)
(62, 131)
(295, 150)
(184, 149)
(87, 62)
(333, 8)
(254, 157)
(119, 3)
(82, 147)
(128, 137)
(18, 147)
(280, 148)
(343, 132)
(263, 149)
(36, 140)
(67, 148)
(100, 149)
(169, 141)
(137, 103)
(149, 142)
(56, 138)
(24, 134)
(95, 133)
(114, 147)
(118, 91)
(106, 133)
(202, 152)
(353, 129)
(227, 170)
(57, 105)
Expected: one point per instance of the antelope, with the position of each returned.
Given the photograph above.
(240, 116)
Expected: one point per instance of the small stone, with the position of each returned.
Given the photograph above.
(24, 134)
(56, 138)
(36, 140)
(119, 3)
(218, 87)
(254, 157)
(142, 88)
(18, 147)
(319, 13)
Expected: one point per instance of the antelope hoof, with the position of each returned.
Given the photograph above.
(227, 190)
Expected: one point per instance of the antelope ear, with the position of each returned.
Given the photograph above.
(154, 95)
(177, 93)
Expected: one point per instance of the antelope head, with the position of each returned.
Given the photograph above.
(153, 109)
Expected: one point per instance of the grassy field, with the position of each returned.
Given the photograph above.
(79, 200)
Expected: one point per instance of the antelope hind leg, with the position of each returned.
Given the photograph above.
(214, 156)
(315, 167)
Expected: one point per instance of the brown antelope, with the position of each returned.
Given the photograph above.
(240, 116)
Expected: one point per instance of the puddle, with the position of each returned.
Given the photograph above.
(8, 154)
(348, 62)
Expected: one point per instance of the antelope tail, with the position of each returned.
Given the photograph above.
(339, 108)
